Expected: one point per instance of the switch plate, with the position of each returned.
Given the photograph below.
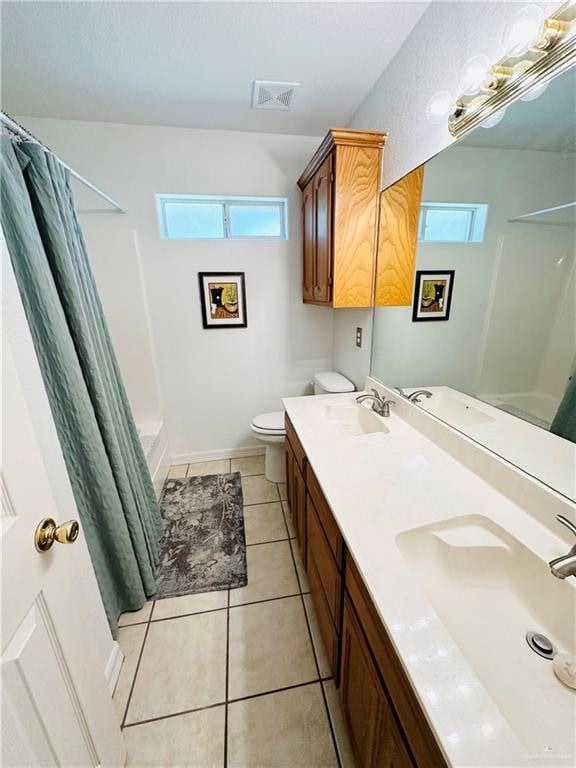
(358, 337)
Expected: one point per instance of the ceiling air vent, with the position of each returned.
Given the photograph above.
(271, 94)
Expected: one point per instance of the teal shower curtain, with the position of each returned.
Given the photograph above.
(107, 469)
(564, 423)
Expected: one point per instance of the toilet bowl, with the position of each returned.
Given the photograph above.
(269, 427)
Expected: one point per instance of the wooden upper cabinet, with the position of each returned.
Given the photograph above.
(398, 240)
(341, 187)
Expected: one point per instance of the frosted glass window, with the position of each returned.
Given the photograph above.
(256, 220)
(209, 217)
(196, 220)
(452, 222)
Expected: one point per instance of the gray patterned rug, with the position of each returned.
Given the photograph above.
(203, 546)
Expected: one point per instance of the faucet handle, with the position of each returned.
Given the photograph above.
(567, 523)
(376, 393)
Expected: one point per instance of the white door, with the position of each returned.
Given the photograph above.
(56, 706)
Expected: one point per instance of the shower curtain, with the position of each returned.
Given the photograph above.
(564, 423)
(104, 459)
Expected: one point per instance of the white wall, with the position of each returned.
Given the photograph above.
(506, 288)
(531, 319)
(430, 60)
(211, 383)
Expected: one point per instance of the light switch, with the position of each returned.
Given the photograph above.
(358, 337)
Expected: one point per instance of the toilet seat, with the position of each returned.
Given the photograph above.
(269, 423)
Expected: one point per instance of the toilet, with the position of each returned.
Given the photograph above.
(269, 427)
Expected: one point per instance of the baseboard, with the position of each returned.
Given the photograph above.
(220, 453)
(112, 671)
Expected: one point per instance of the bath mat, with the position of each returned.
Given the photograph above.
(203, 547)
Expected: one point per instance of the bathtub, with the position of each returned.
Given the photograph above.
(537, 404)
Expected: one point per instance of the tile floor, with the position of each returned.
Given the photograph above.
(238, 678)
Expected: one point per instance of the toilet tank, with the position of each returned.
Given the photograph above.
(330, 382)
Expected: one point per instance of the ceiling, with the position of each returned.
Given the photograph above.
(192, 63)
(547, 123)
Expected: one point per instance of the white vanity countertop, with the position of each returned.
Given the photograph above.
(379, 485)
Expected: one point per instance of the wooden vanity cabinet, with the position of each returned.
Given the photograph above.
(296, 485)
(340, 197)
(363, 699)
(409, 739)
(387, 726)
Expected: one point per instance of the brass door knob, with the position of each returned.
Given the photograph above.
(48, 532)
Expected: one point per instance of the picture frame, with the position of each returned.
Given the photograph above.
(432, 295)
(223, 299)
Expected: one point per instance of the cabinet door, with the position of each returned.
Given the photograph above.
(323, 205)
(309, 244)
(299, 510)
(396, 754)
(363, 699)
(290, 461)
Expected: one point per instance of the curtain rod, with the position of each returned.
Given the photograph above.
(18, 130)
(541, 212)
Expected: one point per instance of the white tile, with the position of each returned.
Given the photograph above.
(323, 662)
(264, 522)
(248, 465)
(130, 640)
(180, 606)
(257, 490)
(219, 467)
(178, 470)
(195, 740)
(271, 574)
(288, 729)
(136, 617)
(183, 666)
(269, 647)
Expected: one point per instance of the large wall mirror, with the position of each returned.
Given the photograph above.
(491, 333)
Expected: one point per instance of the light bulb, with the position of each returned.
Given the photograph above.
(474, 74)
(523, 31)
(494, 119)
(533, 93)
(439, 107)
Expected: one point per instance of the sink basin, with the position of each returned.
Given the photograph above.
(354, 419)
(453, 410)
(489, 590)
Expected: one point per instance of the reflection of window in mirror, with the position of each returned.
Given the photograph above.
(452, 222)
(498, 209)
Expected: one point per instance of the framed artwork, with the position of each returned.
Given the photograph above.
(223, 297)
(433, 295)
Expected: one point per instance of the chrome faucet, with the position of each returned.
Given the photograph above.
(415, 397)
(565, 566)
(380, 405)
(400, 392)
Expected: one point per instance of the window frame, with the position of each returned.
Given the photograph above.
(281, 203)
(476, 227)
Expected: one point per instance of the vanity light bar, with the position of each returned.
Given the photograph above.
(550, 51)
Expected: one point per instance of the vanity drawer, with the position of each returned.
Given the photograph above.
(331, 530)
(327, 629)
(320, 554)
(296, 445)
(414, 724)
